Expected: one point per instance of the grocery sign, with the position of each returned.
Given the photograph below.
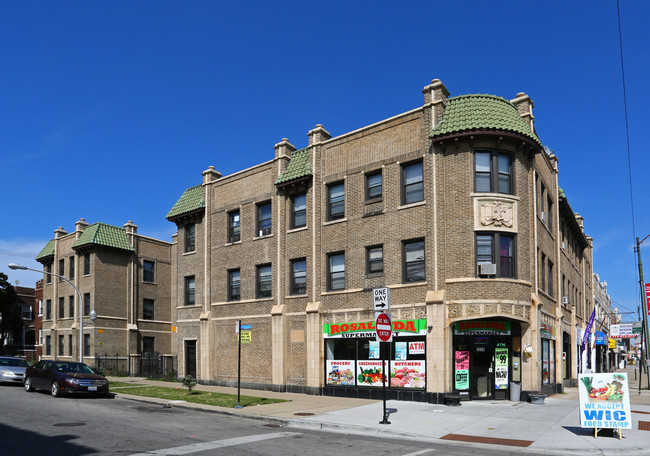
(367, 329)
(604, 401)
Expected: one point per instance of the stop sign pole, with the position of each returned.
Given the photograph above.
(384, 328)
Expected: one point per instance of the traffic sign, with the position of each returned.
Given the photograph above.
(384, 328)
(381, 299)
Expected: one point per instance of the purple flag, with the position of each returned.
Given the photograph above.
(585, 338)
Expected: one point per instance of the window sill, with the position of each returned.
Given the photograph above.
(193, 252)
(148, 282)
(295, 230)
(296, 296)
(266, 236)
(192, 306)
(336, 292)
(333, 222)
(232, 243)
(486, 279)
(495, 195)
(408, 206)
(241, 301)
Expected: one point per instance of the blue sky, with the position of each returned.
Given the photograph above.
(111, 109)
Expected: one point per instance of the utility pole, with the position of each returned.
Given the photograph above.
(644, 309)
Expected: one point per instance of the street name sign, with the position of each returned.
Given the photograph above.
(381, 299)
(384, 328)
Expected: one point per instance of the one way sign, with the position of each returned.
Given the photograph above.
(381, 299)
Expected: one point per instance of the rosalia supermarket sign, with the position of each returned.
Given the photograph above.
(367, 329)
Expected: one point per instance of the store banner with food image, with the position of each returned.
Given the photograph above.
(369, 373)
(462, 370)
(340, 372)
(407, 374)
(604, 401)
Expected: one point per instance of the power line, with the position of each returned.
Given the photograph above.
(19, 254)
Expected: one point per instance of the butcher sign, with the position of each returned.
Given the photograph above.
(384, 328)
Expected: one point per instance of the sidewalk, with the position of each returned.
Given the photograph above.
(551, 428)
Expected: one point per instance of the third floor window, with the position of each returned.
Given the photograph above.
(336, 201)
(264, 220)
(299, 211)
(233, 226)
(412, 183)
(493, 172)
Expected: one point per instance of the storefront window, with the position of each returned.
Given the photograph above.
(548, 361)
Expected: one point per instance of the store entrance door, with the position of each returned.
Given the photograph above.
(481, 378)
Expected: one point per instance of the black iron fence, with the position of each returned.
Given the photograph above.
(149, 365)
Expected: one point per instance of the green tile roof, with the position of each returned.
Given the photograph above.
(47, 250)
(190, 200)
(475, 112)
(297, 168)
(106, 235)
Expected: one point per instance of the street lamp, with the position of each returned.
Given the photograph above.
(81, 316)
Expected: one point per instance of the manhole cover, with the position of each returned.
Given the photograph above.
(69, 424)
(304, 414)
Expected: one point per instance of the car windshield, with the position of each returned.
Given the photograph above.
(13, 362)
(73, 368)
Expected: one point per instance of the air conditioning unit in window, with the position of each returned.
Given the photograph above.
(487, 269)
(565, 300)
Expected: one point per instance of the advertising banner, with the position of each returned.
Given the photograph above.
(501, 367)
(585, 339)
(604, 401)
(407, 374)
(369, 373)
(416, 348)
(400, 351)
(366, 329)
(622, 331)
(461, 377)
(482, 327)
(340, 372)
(373, 349)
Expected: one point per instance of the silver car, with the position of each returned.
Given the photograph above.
(12, 370)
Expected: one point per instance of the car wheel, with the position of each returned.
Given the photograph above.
(28, 384)
(56, 391)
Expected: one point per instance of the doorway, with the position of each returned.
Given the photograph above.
(190, 358)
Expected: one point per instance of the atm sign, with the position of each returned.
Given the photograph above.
(416, 348)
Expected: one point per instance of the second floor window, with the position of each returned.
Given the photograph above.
(374, 259)
(496, 249)
(86, 303)
(48, 345)
(86, 263)
(61, 308)
(233, 226)
(299, 211)
(234, 285)
(264, 282)
(493, 172)
(148, 271)
(336, 272)
(298, 277)
(412, 183)
(86, 344)
(71, 268)
(190, 237)
(336, 201)
(264, 220)
(48, 273)
(48, 309)
(147, 309)
(189, 291)
(373, 186)
(414, 263)
(61, 345)
(71, 306)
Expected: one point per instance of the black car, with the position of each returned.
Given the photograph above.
(64, 377)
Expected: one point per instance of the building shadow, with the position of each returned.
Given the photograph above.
(22, 441)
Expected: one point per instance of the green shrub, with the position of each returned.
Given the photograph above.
(189, 382)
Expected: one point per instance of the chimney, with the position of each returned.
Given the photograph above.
(524, 105)
(318, 134)
(283, 149)
(79, 227)
(59, 233)
(435, 96)
(210, 175)
(581, 221)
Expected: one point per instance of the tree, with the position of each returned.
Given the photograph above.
(189, 382)
(7, 313)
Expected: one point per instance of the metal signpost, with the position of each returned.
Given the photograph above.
(384, 328)
(238, 332)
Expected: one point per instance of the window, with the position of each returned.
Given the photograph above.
(147, 345)
(190, 238)
(61, 345)
(71, 306)
(86, 345)
(264, 221)
(48, 309)
(374, 259)
(503, 258)
(148, 271)
(550, 278)
(336, 272)
(233, 226)
(48, 273)
(414, 264)
(299, 211)
(61, 313)
(373, 186)
(26, 312)
(550, 212)
(86, 263)
(189, 291)
(147, 309)
(86, 303)
(40, 337)
(298, 277)
(40, 308)
(542, 272)
(234, 285)
(493, 172)
(264, 289)
(336, 201)
(69, 344)
(412, 183)
(61, 269)
(48, 345)
(71, 268)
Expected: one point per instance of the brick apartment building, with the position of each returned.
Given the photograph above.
(453, 206)
(120, 274)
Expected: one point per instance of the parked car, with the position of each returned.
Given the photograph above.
(64, 377)
(12, 369)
